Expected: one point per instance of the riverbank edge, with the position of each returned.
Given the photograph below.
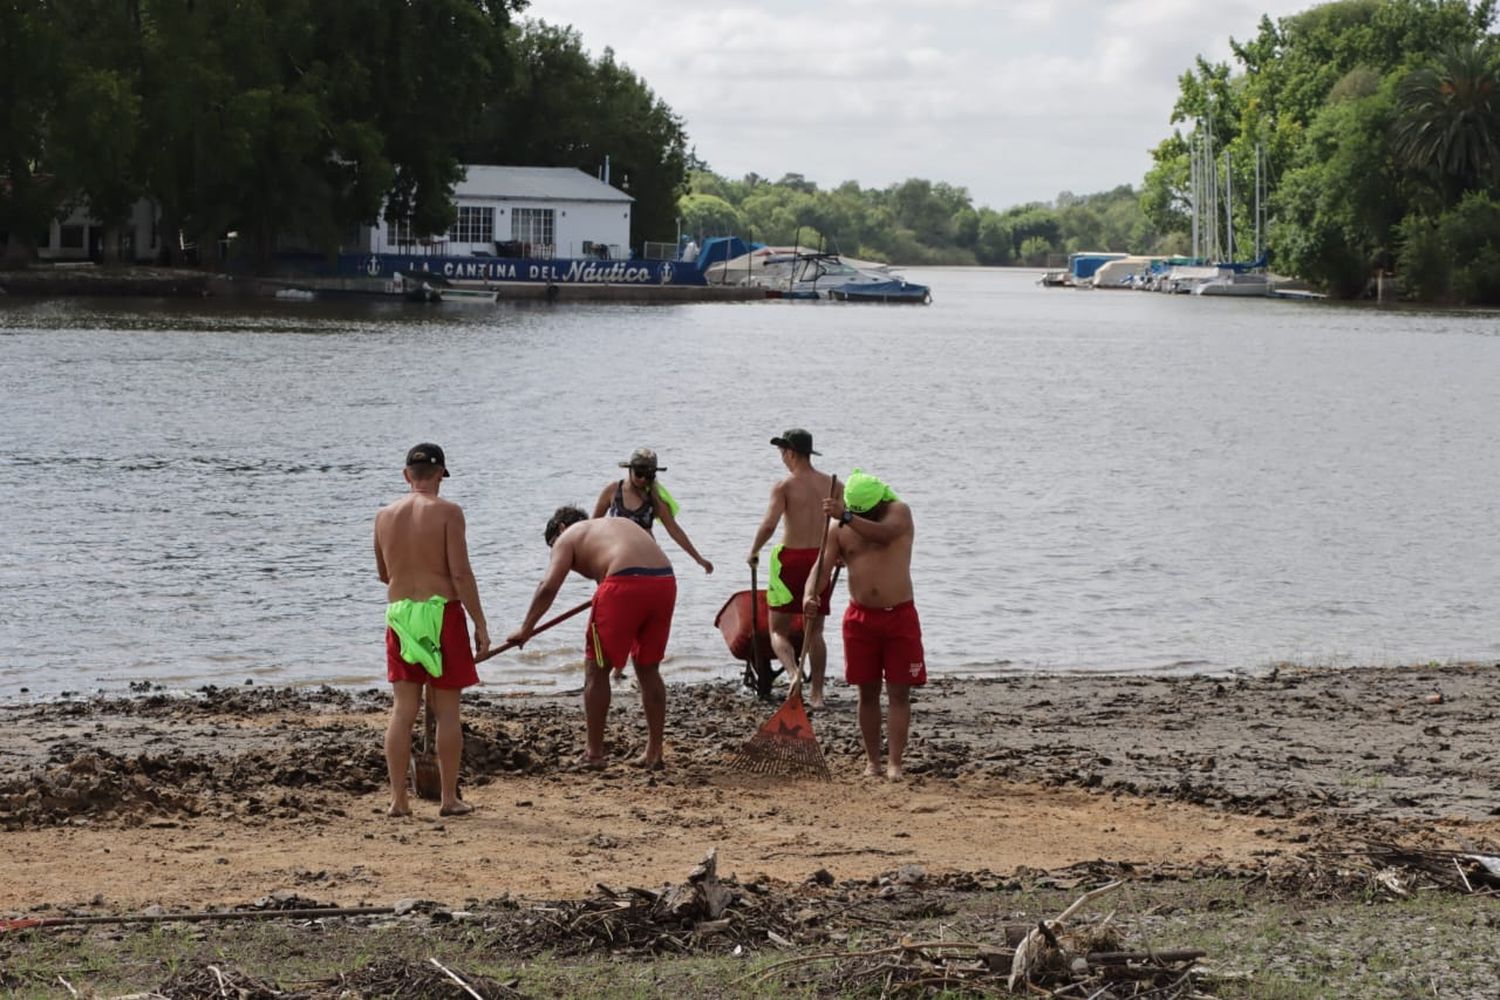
(68, 281)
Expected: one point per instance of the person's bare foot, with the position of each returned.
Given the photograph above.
(456, 809)
(592, 763)
(648, 763)
(815, 699)
(872, 770)
(895, 773)
(398, 810)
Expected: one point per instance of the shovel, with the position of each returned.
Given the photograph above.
(425, 777)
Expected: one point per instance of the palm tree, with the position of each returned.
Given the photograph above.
(1448, 121)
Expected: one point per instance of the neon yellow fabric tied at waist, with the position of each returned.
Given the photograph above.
(863, 491)
(778, 594)
(419, 626)
(667, 498)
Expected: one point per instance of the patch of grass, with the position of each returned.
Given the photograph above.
(1367, 780)
(1283, 948)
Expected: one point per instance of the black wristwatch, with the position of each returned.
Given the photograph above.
(846, 516)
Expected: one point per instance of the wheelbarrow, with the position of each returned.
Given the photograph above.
(744, 621)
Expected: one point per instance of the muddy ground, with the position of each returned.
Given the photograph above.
(232, 795)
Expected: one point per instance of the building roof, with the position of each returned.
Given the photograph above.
(536, 183)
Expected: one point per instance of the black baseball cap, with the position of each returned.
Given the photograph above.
(427, 454)
(797, 440)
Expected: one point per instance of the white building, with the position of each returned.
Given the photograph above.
(523, 212)
(81, 237)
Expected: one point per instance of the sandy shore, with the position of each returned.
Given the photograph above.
(228, 794)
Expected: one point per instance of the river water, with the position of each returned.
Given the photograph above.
(1100, 480)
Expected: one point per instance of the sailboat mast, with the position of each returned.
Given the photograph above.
(1195, 184)
(1228, 212)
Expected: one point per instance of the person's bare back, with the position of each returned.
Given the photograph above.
(802, 517)
(604, 546)
(412, 548)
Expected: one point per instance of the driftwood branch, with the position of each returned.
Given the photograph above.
(165, 918)
(454, 976)
(1029, 953)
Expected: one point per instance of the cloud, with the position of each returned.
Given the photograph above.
(1014, 101)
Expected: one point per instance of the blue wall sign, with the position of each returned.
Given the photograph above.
(567, 270)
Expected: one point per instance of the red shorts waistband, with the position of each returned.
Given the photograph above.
(894, 607)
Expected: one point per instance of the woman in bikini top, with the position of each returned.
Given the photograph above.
(640, 485)
(644, 515)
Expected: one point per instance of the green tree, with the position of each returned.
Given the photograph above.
(1337, 207)
(1455, 257)
(705, 215)
(32, 43)
(997, 242)
(1448, 125)
(561, 108)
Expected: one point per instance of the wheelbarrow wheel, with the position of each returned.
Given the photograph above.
(761, 674)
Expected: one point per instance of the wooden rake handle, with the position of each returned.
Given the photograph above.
(833, 490)
(544, 626)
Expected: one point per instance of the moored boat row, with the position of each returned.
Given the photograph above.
(1177, 275)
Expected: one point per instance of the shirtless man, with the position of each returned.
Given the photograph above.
(631, 616)
(422, 556)
(882, 635)
(796, 502)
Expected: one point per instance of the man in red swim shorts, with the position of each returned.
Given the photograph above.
(882, 634)
(631, 617)
(797, 503)
(422, 556)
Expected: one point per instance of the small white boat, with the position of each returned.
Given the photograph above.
(432, 289)
(1124, 272)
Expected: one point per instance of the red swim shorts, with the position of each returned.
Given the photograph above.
(883, 642)
(796, 566)
(631, 618)
(458, 654)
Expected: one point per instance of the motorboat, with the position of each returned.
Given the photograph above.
(748, 268)
(1239, 283)
(827, 275)
(895, 290)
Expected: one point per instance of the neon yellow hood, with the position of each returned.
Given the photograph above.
(863, 491)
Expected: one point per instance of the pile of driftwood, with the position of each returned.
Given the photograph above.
(1050, 959)
(701, 913)
(1391, 870)
(1403, 870)
(391, 977)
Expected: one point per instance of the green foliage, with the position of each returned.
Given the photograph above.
(561, 108)
(1338, 204)
(914, 222)
(294, 121)
(708, 213)
(32, 42)
(1449, 126)
(1366, 110)
(1455, 257)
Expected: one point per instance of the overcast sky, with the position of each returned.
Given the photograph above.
(1016, 101)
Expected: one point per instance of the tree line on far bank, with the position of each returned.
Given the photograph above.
(914, 222)
(1379, 122)
(304, 119)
